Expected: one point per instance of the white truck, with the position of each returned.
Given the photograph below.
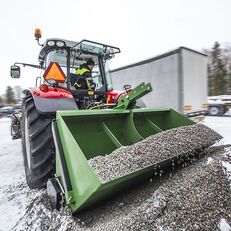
(178, 78)
(219, 105)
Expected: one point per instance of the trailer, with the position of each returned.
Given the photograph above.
(219, 105)
(178, 77)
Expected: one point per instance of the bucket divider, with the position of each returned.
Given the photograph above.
(111, 136)
(154, 126)
(130, 131)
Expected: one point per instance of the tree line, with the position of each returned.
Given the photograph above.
(13, 95)
(219, 69)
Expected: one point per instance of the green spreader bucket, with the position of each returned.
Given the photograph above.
(85, 134)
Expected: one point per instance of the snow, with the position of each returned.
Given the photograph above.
(224, 226)
(227, 166)
(227, 169)
(14, 192)
(222, 125)
(15, 195)
(210, 160)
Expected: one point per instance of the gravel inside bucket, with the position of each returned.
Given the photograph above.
(161, 146)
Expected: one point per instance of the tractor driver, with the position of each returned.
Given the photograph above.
(84, 72)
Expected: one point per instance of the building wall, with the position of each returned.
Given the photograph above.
(161, 73)
(178, 78)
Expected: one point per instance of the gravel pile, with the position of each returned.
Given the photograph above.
(156, 148)
(195, 198)
(199, 202)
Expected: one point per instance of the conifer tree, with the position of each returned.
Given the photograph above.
(10, 97)
(217, 72)
(227, 61)
(1, 102)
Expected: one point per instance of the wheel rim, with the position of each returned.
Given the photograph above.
(27, 141)
(214, 111)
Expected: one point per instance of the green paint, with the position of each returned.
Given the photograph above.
(85, 134)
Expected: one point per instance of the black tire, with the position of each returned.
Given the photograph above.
(216, 111)
(37, 145)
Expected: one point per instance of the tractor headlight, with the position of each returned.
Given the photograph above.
(60, 43)
(51, 43)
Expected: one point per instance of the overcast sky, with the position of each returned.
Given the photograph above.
(142, 29)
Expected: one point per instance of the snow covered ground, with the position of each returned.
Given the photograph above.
(222, 125)
(14, 192)
(15, 195)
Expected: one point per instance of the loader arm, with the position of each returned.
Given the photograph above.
(128, 101)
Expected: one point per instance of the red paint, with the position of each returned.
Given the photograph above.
(113, 95)
(53, 92)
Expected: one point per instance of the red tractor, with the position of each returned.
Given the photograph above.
(58, 61)
(58, 139)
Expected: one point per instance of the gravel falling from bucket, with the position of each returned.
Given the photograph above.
(156, 148)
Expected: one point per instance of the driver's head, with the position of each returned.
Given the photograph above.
(90, 63)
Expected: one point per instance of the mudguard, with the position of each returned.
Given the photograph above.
(52, 100)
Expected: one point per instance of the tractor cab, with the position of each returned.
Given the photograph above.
(59, 60)
(69, 56)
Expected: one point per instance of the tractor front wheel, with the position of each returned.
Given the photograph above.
(37, 145)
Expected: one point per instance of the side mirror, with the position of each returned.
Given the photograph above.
(15, 71)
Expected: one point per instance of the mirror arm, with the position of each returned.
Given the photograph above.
(29, 65)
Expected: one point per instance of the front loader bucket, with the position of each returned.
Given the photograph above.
(85, 134)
